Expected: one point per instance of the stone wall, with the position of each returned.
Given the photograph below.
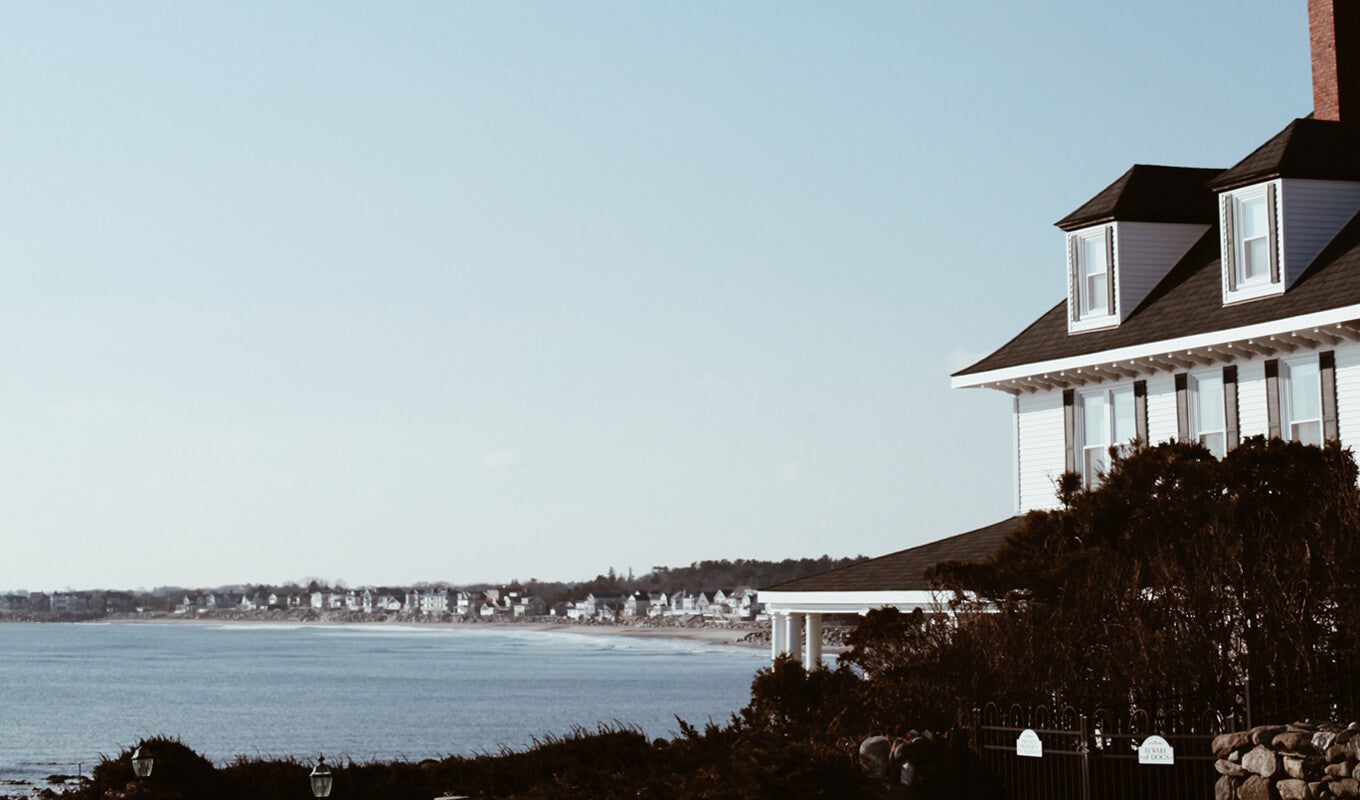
(1301, 761)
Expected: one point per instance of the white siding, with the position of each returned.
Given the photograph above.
(1348, 393)
(1312, 213)
(1144, 253)
(1162, 423)
(1042, 448)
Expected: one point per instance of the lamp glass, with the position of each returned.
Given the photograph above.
(321, 779)
(142, 764)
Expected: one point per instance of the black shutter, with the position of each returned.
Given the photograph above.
(1070, 428)
(1327, 371)
(1232, 434)
(1229, 248)
(1075, 301)
(1140, 411)
(1273, 398)
(1272, 240)
(1183, 406)
(1109, 267)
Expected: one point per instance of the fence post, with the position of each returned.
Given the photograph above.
(1247, 693)
(1084, 747)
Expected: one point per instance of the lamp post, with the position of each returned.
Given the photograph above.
(142, 763)
(321, 778)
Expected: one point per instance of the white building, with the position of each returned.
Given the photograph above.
(1203, 305)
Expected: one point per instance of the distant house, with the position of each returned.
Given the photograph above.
(636, 604)
(70, 603)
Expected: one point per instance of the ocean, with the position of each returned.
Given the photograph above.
(70, 692)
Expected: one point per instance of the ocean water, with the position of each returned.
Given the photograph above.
(70, 692)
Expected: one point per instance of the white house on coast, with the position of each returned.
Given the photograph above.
(1202, 305)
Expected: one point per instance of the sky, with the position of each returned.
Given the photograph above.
(422, 291)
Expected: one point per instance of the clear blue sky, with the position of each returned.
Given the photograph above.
(479, 291)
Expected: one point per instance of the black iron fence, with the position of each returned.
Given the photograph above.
(1033, 753)
(1045, 754)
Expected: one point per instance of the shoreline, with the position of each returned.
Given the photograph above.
(739, 634)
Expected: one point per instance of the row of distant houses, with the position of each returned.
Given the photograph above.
(487, 604)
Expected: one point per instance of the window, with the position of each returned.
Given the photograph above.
(1251, 242)
(1091, 254)
(1208, 423)
(1107, 419)
(1303, 401)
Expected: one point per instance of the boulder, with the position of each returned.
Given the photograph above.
(1262, 734)
(1226, 788)
(907, 777)
(1339, 770)
(1323, 740)
(1255, 788)
(1304, 768)
(1348, 788)
(874, 756)
(1261, 761)
(1225, 743)
(1336, 753)
(1293, 741)
(1294, 789)
(1226, 767)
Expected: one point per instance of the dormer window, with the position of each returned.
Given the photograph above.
(1091, 257)
(1251, 243)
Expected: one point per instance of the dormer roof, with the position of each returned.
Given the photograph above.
(1150, 193)
(1306, 148)
(1189, 302)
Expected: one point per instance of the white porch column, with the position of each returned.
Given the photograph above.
(793, 635)
(812, 656)
(777, 635)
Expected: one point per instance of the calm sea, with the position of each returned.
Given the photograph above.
(69, 692)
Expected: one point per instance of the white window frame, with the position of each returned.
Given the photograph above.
(1197, 430)
(1088, 315)
(1100, 450)
(1288, 419)
(1262, 286)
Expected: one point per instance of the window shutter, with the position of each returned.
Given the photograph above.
(1229, 248)
(1183, 407)
(1273, 239)
(1273, 398)
(1070, 428)
(1074, 302)
(1327, 371)
(1232, 432)
(1109, 267)
(1140, 411)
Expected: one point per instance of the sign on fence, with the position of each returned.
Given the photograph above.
(1028, 744)
(1156, 750)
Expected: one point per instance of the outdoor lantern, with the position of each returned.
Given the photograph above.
(142, 763)
(321, 778)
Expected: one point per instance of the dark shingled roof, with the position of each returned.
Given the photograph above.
(1148, 193)
(1189, 301)
(1306, 148)
(905, 569)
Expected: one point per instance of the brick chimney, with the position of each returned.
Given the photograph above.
(1334, 33)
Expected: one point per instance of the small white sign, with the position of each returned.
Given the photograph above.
(1028, 744)
(1155, 750)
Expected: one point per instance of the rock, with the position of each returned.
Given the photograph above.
(1293, 741)
(1261, 761)
(874, 755)
(1323, 740)
(1345, 736)
(1318, 788)
(1346, 788)
(1255, 788)
(1262, 734)
(1225, 743)
(1336, 753)
(1293, 789)
(1339, 770)
(1226, 767)
(1302, 726)
(908, 774)
(1304, 768)
(1226, 788)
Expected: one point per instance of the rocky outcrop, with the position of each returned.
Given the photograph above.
(1301, 761)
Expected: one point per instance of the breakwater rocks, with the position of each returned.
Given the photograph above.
(1301, 761)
